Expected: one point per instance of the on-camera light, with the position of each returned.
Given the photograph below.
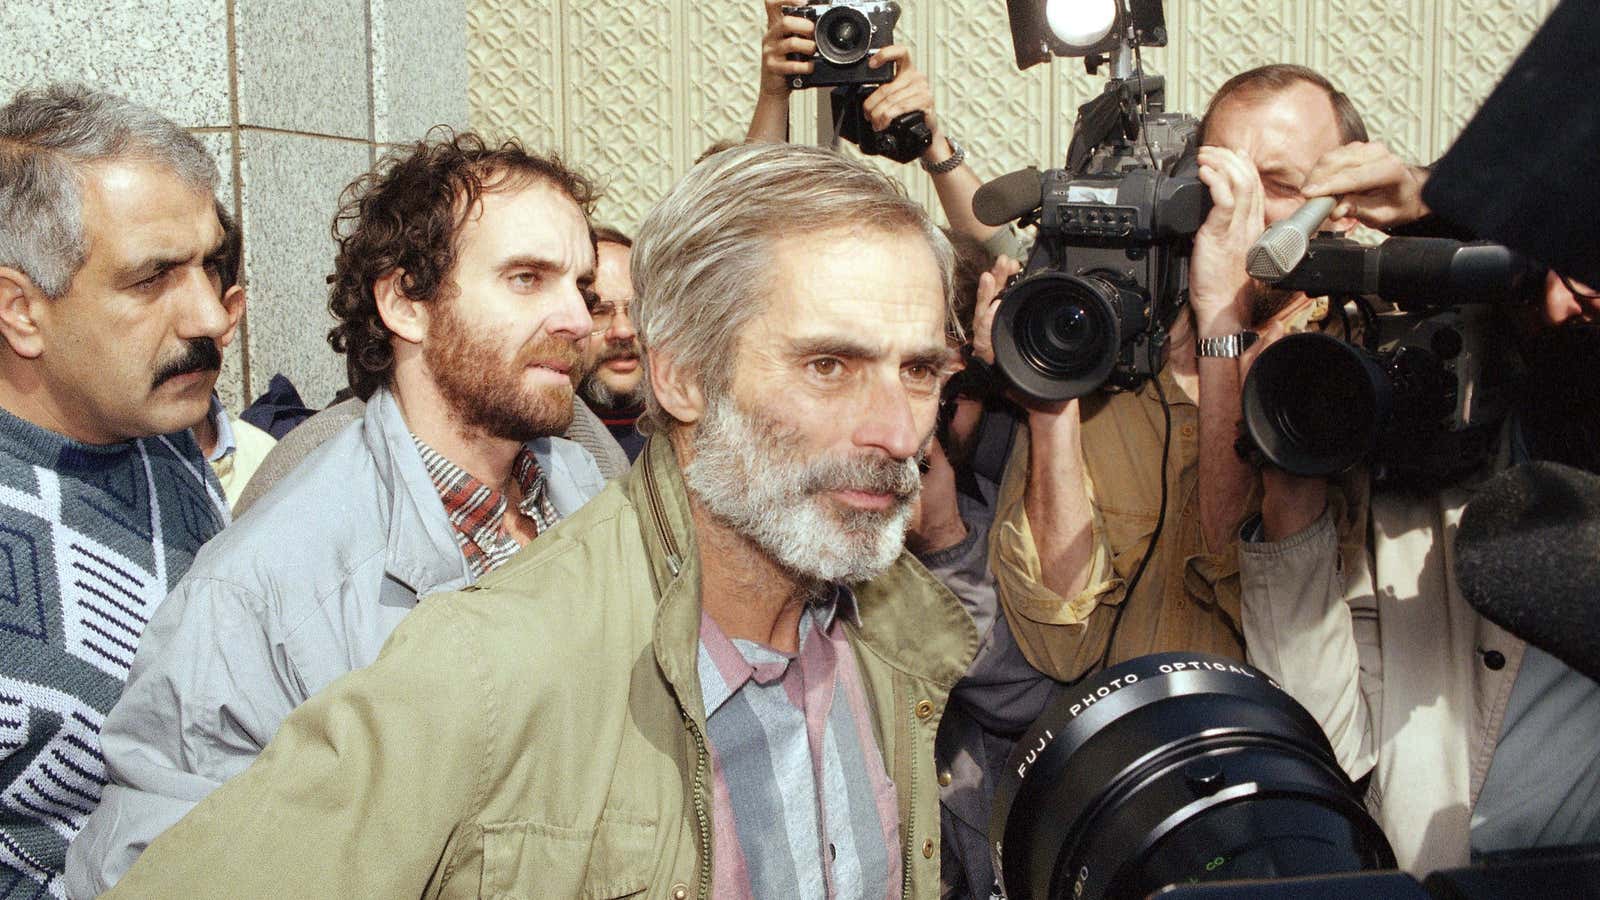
(1082, 26)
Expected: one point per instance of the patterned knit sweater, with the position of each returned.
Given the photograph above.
(91, 540)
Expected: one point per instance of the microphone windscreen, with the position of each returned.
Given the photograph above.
(1528, 559)
(1009, 197)
(1283, 245)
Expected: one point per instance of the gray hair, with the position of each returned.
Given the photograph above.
(46, 138)
(703, 258)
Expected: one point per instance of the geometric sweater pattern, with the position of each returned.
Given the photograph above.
(92, 538)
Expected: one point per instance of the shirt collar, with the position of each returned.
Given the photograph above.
(226, 443)
(726, 665)
(476, 510)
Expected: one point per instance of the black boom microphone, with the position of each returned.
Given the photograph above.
(1528, 559)
(1417, 270)
(1009, 197)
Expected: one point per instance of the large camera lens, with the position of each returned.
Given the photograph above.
(1056, 336)
(843, 36)
(1170, 769)
(1313, 404)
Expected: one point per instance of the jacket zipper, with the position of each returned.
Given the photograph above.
(674, 559)
(910, 817)
(701, 816)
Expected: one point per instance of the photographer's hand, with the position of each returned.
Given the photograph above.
(908, 92)
(936, 522)
(1220, 293)
(991, 285)
(1219, 286)
(911, 91)
(1372, 184)
(785, 35)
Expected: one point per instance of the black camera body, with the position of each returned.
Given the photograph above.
(1421, 399)
(1109, 271)
(902, 140)
(848, 33)
(1421, 394)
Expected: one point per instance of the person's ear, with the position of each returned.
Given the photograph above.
(405, 318)
(20, 305)
(677, 388)
(233, 306)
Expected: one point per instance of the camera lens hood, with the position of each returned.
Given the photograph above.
(1172, 768)
(1057, 336)
(1314, 404)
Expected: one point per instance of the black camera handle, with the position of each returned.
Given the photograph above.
(1118, 109)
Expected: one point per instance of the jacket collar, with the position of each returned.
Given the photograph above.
(906, 617)
(421, 551)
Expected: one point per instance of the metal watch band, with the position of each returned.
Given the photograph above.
(1228, 346)
(958, 155)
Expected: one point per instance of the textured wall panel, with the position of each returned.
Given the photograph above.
(514, 56)
(634, 92)
(1476, 42)
(995, 111)
(1380, 56)
(722, 64)
(624, 116)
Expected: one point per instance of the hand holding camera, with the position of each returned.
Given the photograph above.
(848, 45)
(991, 285)
(1219, 288)
(786, 49)
(909, 91)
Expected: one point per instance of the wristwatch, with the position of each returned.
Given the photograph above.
(1228, 346)
(958, 155)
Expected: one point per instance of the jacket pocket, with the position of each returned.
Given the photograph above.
(531, 859)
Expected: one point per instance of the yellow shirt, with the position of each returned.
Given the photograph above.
(1188, 597)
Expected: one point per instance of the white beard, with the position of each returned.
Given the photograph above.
(755, 475)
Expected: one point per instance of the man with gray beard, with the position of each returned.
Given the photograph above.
(721, 677)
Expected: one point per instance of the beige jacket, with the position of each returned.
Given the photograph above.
(1406, 679)
(542, 733)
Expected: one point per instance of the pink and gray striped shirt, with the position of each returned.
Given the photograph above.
(802, 802)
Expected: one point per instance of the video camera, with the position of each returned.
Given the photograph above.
(1422, 394)
(1109, 271)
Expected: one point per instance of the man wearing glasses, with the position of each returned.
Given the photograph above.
(462, 331)
(613, 383)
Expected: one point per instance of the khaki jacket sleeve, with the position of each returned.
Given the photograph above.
(1051, 630)
(1314, 629)
(362, 792)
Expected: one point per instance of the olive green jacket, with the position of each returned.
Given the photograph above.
(542, 734)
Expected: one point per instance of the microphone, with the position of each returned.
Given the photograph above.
(1528, 559)
(1281, 247)
(1415, 271)
(1009, 197)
